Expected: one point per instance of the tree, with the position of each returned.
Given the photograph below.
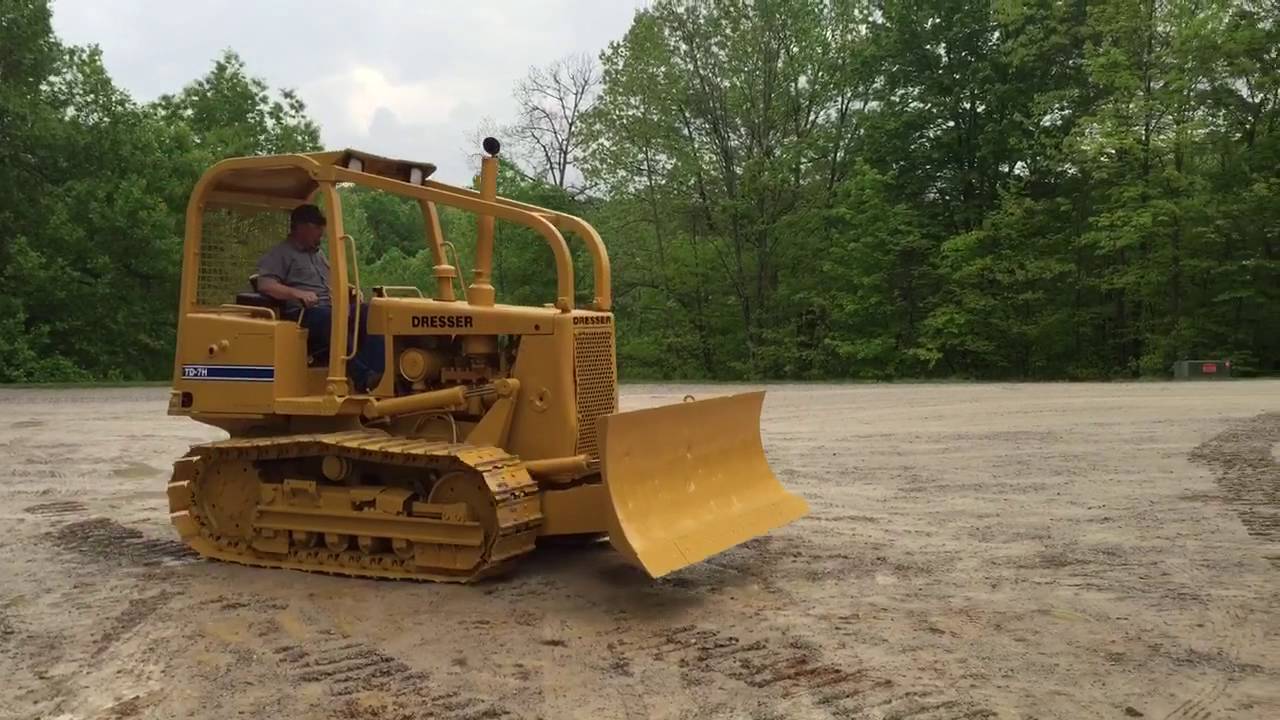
(720, 112)
(29, 55)
(551, 102)
(95, 188)
(792, 188)
(231, 113)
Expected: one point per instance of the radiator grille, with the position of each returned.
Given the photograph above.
(595, 375)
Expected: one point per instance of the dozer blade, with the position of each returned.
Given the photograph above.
(687, 481)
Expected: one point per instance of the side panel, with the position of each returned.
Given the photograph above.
(545, 423)
(226, 363)
(291, 362)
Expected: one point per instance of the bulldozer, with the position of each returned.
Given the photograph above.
(492, 427)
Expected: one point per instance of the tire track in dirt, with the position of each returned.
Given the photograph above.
(1228, 634)
(137, 612)
(791, 669)
(104, 540)
(1204, 704)
(8, 630)
(39, 473)
(348, 669)
(1246, 470)
(58, 508)
(102, 623)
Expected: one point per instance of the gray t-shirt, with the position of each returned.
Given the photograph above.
(298, 269)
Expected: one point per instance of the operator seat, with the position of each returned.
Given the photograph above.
(316, 355)
(257, 299)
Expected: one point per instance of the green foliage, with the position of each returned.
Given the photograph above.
(230, 114)
(791, 189)
(1029, 188)
(94, 189)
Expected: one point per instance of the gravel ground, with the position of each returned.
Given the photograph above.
(973, 551)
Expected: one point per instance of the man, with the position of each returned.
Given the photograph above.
(296, 272)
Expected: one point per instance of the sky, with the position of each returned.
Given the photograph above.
(412, 79)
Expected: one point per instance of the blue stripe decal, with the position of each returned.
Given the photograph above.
(241, 373)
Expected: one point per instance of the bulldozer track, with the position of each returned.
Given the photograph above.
(513, 494)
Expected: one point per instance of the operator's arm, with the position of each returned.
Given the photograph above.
(272, 287)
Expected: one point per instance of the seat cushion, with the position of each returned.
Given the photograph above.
(256, 300)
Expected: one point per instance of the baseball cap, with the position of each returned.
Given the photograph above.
(306, 213)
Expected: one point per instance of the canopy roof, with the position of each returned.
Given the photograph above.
(281, 176)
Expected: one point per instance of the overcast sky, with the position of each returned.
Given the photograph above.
(410, 79)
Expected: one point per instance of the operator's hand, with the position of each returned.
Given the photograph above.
(307, 297)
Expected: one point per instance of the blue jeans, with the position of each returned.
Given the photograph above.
(370, 358)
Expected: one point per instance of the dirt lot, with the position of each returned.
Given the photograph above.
(973, 551)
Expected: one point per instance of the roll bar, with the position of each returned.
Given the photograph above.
(451, 197)
(285, 181)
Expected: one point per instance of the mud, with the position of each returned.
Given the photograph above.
(973, 551)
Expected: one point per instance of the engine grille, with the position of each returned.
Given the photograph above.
(595, 375)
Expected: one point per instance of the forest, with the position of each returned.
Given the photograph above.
(789, 189)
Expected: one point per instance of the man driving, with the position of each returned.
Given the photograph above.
(296, 272)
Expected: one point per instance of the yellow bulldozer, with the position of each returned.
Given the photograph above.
(492, 425)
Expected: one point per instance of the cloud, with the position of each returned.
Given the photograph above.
(352, 98)
(409, 78)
